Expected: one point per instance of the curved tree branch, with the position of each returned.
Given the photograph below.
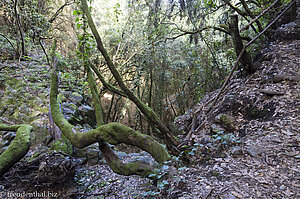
(17, 53)
(113, 133)
(221, 29)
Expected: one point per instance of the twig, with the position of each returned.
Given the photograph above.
(44, 51)
(258, 16)
(208, 194)
(10, 43)
(3, 67)
(59, 11)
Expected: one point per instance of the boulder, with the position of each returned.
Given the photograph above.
(76, 98)
(236, 151)
(226, 121)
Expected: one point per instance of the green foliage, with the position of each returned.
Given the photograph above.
(161, 177)
(85, 180)
(208, 148)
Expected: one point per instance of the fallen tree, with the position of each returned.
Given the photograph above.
(18, 148)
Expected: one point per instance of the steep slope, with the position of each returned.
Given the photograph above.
(261, 115)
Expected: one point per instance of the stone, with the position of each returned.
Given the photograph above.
(254, 150)
(80, 153)
(144, 159)
(4, 143)
(88, 114)
(76, 98)
(69, 108)
(87, 127)
(92, 153)
(9, 136)
(93, 156)
(236, 151)
(80, 161)
(86, 110)
(121, 155)
(226, 121)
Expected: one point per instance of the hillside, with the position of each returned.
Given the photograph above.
(263, 113)
(248, 146)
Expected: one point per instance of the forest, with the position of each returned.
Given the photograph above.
(149, 99)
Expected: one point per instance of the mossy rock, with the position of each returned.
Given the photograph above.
(60, 145)
(226, 121)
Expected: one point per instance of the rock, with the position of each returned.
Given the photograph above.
(121, 155)
(88, 114)
(76, 98)
(87, 111)
(9, 136)
(290, 31)
(215, 129)
(254, 150)
(226, 121)
(4, 143)
(80, 153)
(92, 153)
(69, 108)
(80, 161)
(236, 151)
(144, 159)
(86, 128)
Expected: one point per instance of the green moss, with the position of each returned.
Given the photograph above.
(62, 146)
(18, 148)
(113, 133)
(226, 121)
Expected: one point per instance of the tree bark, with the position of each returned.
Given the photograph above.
(246, 60)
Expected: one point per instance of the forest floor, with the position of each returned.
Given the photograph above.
(265, 109)
(261, 161)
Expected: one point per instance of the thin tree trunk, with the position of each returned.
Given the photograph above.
(246, 60)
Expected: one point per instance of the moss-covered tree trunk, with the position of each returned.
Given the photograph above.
(152, 117)
(18, 148)
(113, 133)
